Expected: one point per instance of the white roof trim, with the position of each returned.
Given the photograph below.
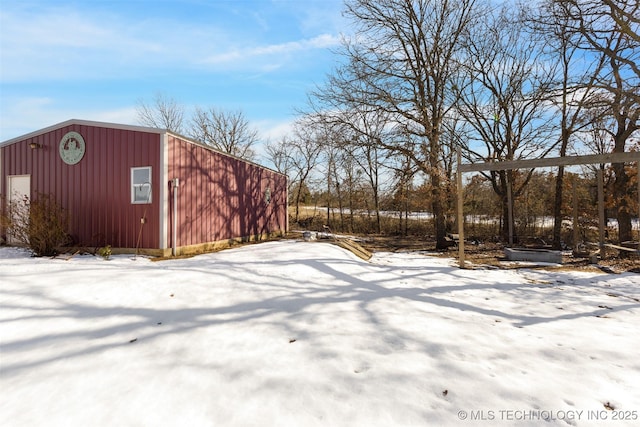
(82, 123)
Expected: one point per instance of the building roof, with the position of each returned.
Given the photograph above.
(82, 123)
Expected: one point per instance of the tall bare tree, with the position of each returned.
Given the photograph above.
(573, 91)
(227, 131)
(162, 112)
(611, 29)
(303, 153)
(364, 132)
(504, 100)
(359, 136)
(403, 61)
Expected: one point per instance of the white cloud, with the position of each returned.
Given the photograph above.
(318, 15)
(61, 44)
(66, 44)
(274, 130)
(63, 60)
(273, 53)
(319, 42)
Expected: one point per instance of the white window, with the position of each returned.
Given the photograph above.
(141, 185)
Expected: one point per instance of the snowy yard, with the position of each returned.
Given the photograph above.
(296, 333)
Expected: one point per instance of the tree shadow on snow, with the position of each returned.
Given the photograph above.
(289, 301)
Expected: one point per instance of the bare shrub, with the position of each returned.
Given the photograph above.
(39, 224)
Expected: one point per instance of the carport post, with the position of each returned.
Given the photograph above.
(602, 222)
(460, 209)
(576, 231)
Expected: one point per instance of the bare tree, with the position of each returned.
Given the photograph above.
(226, 131)
(402, 61)
(304, 154)
(573, 87)
(610, 28)
(363, 135)
(504, 100)
(277, 153)
(163, 112)
(596, 135)
(404, 172)
(358, 135)
(330, 155)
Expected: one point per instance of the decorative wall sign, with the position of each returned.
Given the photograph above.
(72, 148)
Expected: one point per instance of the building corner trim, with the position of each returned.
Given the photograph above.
(164, 193)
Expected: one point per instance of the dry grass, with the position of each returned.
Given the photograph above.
(419, 239)
(492, 255)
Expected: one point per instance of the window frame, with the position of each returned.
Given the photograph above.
(135, 186)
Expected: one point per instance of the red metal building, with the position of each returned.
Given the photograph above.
(143, 189)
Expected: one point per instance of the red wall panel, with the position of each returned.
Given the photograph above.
(95, 191)
(221, 197)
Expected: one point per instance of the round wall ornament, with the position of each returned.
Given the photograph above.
(72, 148)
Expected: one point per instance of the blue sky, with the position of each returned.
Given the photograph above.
(95, 59)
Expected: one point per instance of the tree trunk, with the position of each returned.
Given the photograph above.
(504, 232)
(437, 209)
(439, 217)
(621, 196)
(500, 187)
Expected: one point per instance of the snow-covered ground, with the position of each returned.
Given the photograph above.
(294, 333)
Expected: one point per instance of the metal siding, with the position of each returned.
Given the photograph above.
(118, 182)
(96, 190)
(192, 194)
(185, 195)
(201, 197)
(2, 190)
(221, 197)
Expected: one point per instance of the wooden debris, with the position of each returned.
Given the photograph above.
(354, 247)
